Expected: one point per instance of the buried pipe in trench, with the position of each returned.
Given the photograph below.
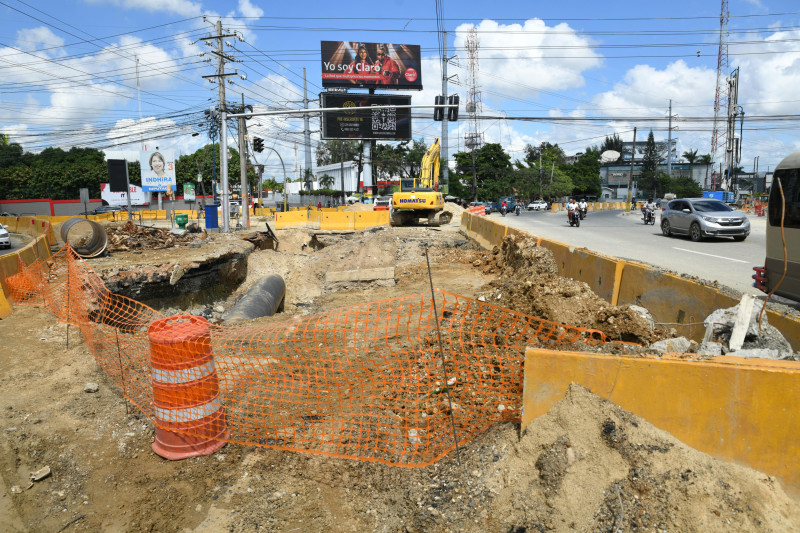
(264, 298)
(86, 248)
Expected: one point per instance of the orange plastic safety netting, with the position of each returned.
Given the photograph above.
(366, 382)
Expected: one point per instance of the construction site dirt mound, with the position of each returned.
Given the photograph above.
(128, 236)
(587, 465)
(358, 206)
(528, 282)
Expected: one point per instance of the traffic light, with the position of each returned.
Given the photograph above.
(438, 112)
(452, 112)
(258, 144)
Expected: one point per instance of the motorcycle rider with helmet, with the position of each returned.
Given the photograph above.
(583, 206)
(648, 211)
(572, 209)
(503, 208)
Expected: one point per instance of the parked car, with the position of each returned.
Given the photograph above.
(703, 217)
(105, 209)
(5, 239)
(537, 205)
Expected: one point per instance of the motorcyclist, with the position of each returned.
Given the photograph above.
(648, 209)
(517, 209)
(572, 208)
(583, 207)
(503, 208)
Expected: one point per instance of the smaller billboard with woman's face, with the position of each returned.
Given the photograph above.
(371, 65)
(158, 168)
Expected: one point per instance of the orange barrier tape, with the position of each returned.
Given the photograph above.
(365, 382)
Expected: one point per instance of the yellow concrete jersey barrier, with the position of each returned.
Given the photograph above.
(739, 410)
(42, 231)
(671, 299)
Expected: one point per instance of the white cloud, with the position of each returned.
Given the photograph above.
(523, 59)
(249, 10)
(35, 38)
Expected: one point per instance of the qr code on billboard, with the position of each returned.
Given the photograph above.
(384, 119)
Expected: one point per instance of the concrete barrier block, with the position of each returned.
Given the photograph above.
(735, 409)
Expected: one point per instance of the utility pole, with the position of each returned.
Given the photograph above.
(669, 142)
(445, 123)
(223, 112)
(630, 176)
(307, 131)
(243, 170)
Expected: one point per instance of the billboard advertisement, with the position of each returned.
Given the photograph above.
(371, 65)
(361, 122)
(158, 168)
(138, 196)
(188, 192)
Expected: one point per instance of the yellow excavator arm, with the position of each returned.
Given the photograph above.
(429, 176)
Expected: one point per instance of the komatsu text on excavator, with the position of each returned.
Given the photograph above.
(420, 197)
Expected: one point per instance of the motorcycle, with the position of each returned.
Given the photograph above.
(582, 212)
(574, 218)
(503, 210)
(648, 217)
(517, 210)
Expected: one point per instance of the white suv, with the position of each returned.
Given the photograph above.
(5, 240)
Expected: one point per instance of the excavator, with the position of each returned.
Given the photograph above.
(420, 197)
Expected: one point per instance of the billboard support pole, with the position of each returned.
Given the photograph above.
(127, 190)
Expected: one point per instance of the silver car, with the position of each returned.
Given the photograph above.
(5, 240)
(703, 217)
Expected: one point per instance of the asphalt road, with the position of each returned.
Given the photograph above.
(625, 236)
(17, 241)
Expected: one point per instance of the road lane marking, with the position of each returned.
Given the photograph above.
(709, 255)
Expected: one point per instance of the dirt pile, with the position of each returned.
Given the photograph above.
(528, 283)
(128, 236)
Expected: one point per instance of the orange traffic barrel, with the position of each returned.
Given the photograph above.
(189, 415)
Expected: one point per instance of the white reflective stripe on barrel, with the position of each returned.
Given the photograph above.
(184, 375)
(186, 414)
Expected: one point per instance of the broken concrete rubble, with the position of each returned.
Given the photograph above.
(762, 340)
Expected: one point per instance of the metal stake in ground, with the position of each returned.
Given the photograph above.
(441, 354)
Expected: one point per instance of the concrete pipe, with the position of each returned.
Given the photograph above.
(86, 237)
(264, 298)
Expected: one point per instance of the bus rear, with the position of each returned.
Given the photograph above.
(781, 270)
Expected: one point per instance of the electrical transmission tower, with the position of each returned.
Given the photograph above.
(473, 137)
(721, 93)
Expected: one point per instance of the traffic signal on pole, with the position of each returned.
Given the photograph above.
(258, 144)
(452, 112)
(438, 112)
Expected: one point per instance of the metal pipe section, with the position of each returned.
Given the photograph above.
(94, 246)
(264, 298)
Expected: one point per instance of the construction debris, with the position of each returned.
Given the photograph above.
(754, 340)
(129, 237)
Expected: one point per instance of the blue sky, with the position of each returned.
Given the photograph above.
(581, 69)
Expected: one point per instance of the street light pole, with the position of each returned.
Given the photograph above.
(630, 176)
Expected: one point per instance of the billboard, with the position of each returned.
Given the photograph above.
(371, 65)
(361, 122)
(138, 196)
(158, 168)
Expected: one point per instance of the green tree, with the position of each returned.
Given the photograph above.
(612, 142)
(585, 174)
(650, 166)
(336, 151)
(685, 187)
(326, 181)
(549, 153)
(493, 170)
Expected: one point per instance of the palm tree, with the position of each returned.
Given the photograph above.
(704, 159)
(691, 157)
(326, 181)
